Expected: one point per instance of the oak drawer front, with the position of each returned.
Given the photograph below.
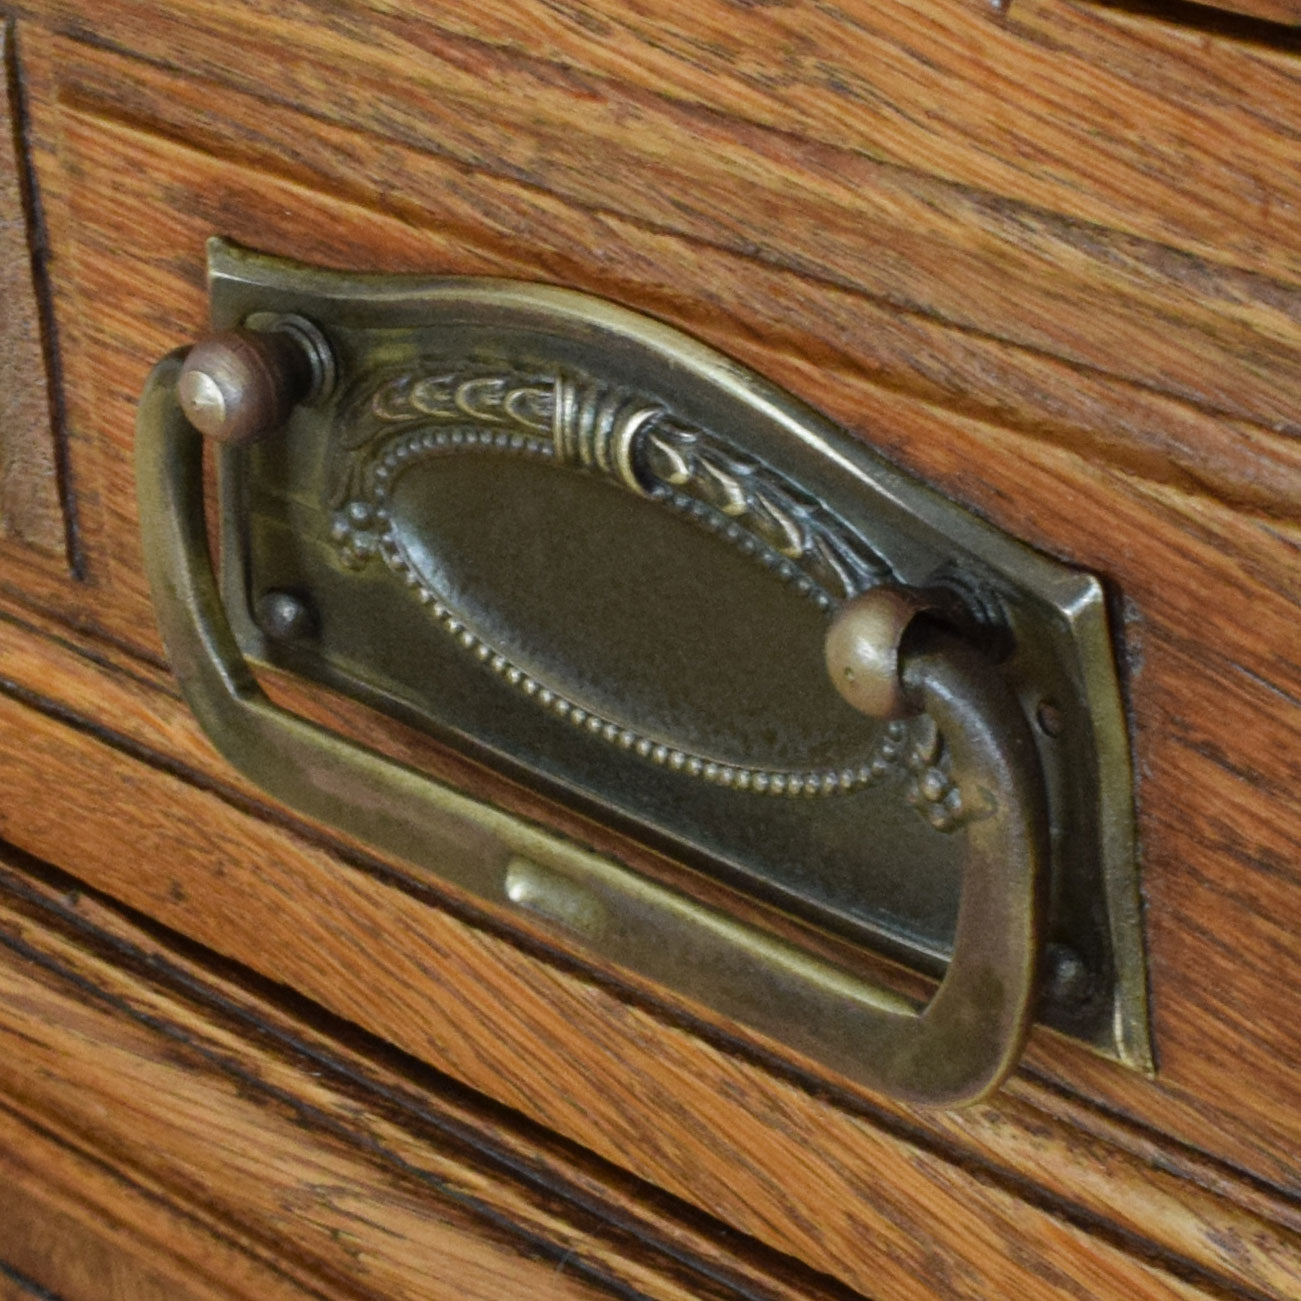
(171, 1130)
(1093, 391)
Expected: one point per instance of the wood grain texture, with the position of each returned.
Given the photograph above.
(1147, 434)
(880, 1198)
(336, 1175)
(117, 1080)
(1220, 846)
(989, 258)
(663, 1250)
(31, 512)
(18, 1287)
(1050, 264)
(79, 1228)
(1271, 11)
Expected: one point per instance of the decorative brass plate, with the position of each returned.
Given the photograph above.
(603, 558)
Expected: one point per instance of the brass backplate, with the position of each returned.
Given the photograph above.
(602, 558)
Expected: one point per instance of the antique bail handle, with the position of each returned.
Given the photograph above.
(951, 1051)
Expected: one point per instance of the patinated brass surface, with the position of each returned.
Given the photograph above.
(598, 554)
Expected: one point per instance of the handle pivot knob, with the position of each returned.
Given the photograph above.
(240, 385)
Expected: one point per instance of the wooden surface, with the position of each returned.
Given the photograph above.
(1271, 11)
(1040, 177)
(807, 1170)
(31, 512)
(1218, 838)
(1051, 262)
(252, 1155)
(76, 1226)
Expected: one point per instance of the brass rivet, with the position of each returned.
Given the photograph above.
(285, 616)
(1067, 980)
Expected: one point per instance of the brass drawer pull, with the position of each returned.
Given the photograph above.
(333, 528)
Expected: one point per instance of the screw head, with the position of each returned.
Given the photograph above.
(285, 616)
(1067, 980)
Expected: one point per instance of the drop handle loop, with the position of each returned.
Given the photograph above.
(952, 1050)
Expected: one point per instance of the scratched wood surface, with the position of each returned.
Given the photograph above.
(1050, 263)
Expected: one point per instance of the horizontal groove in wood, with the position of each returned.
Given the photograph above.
(1220, 335)
(1143, 432)
(382, 1083)
(1165, 548)
(16, 1286)
(90, 1233)
(263, 1139)
(738, 1172)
